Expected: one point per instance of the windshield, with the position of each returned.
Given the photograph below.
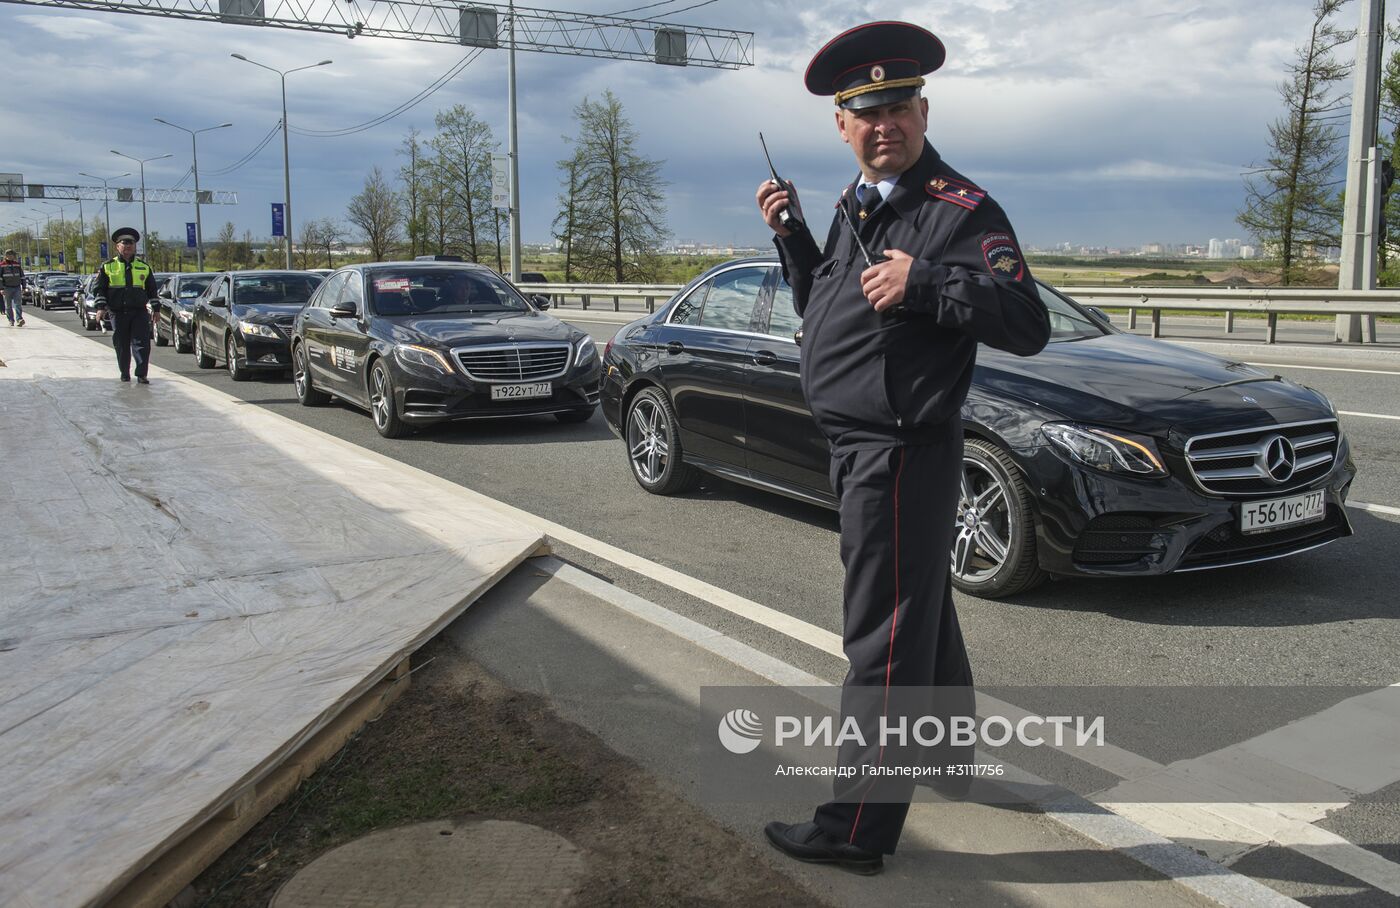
(1066, 321)
(274, 289)
(191, 287)
(449, 291)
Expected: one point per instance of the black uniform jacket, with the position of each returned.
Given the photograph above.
(124, 299)
(875, 379)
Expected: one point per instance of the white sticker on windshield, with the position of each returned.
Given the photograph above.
(391, 284)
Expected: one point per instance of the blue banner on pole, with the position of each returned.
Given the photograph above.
(47, 262)
(279, 219)
(190, 241)
(60, 259)
(102, 249)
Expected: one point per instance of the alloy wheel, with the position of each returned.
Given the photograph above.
(380, 399)
(984, 525)
(646, 440)
(299, 372)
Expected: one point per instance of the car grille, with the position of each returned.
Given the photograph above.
(1264, 461)
(523, 362)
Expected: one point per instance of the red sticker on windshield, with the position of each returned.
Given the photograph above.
(391, 284)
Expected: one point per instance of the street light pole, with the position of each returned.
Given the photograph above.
(62, 219)
(194, 154)
(48, 231)
(106, 209)
(287, 221)
(142, 162)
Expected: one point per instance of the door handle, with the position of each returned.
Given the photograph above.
(765, 358)
(675, 347)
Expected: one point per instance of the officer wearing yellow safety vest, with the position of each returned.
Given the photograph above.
(124, 287)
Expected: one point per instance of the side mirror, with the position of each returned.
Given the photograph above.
(540, 300)
(344, 310)
(1099, 314)
(218, 302)
(797, 337)
(166, 295)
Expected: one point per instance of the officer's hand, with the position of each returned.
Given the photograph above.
(884, 284)
(772, 199)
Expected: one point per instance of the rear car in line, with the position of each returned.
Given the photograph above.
(244, 320)
(175, 321)
(1106, 454)
(417, 343)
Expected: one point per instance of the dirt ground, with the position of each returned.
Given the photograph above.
(458, 744)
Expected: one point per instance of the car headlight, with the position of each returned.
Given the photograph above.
(1112, 452)
(422, 357)
(586, 350)
(253, 329)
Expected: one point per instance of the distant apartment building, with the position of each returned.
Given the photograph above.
(1223, 249)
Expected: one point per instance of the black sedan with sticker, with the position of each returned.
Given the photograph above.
(416, 343)
(1106, 454)
(244, 319)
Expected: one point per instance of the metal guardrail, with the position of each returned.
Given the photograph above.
(588, 294)
(1271, 302)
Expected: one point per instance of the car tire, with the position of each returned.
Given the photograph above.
(654, 445)
(382, 408)
(307, 394)
(572, 416)
(235, 371)
(202, 359)
(89, 324)
(994, 546)
(161, 339)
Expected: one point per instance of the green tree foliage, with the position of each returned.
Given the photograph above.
(412, 175)
(377, 211)
(1292, 203)
(616, 212)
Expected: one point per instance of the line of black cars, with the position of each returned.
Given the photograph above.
(1106, 454)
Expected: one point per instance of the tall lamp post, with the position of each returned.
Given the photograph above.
(106, 209)
(286, 157)
(62, 219)
(142, 162)
(194, 150)
(48, 231)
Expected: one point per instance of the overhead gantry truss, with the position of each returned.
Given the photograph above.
(472, 25)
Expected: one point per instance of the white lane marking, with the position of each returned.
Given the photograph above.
(1367, 415)
(1374, 508)
(1324, 368)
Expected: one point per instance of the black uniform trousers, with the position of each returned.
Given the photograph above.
(131, 335)
(897, 510)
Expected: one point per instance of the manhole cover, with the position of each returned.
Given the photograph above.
(440, 865)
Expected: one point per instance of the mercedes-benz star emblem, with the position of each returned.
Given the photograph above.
(1279, 459)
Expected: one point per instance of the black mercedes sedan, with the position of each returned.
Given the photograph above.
(244, 318)
(175, 318)
(422, 342)
(1106, 454)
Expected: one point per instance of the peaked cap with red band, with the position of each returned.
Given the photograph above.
(874, 64)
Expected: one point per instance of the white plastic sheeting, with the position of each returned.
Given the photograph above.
(190, 587)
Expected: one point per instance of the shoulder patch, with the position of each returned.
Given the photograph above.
(1002, 257)
(958, 192)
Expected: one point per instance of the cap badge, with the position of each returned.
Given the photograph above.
(877, 73)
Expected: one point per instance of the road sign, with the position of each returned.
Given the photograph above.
(279, 220)
(11, 187)
(500, 181)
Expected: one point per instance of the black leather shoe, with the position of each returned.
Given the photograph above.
(949, 788)
(142, 380)
(126, 378)
(807, 842)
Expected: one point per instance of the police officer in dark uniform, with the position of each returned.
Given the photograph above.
(125, 285)
(887, 357)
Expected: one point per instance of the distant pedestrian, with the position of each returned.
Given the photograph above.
(12, 282)
(125, 286)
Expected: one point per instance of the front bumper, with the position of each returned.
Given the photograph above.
(1093, 523)
(264, 353)
(424, 399)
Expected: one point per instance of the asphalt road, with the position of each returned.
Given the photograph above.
(1323, 618)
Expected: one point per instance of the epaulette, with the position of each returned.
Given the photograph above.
(956, 191)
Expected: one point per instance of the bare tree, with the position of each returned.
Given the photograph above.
(309, 244)
(412, 176)
(1292, 203)
(330, 235)
(375, 210)
(224, 246)
(619, 221)
(463, 147)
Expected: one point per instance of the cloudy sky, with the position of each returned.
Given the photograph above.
(1109, 122)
